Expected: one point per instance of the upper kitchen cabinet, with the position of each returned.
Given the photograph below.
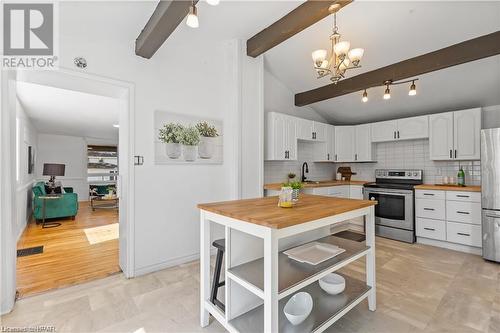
(401, 129)
(281, 137)
(413, 128)
(319, 131)
(325, 151)
(384, 131)
(455, 135)
(304, 129)
(363, 151)
(345, 143)
(466, 134)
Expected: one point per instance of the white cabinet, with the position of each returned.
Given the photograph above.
(363, 151)
(455, 135)
(401, 129)
(451, 217)
(384, 131)
(281, 139)
(319, 131)
(413, 128)
(345, 143)
(304, 129)
(325, 151)
(466, 135)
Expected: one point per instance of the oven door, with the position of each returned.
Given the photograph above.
(394, 209)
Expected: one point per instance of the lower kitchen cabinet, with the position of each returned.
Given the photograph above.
(452, 218)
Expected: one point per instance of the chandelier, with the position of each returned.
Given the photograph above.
(341, 58)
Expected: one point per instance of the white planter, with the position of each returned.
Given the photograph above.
(189, 153)
(173, 150)
(206, 147)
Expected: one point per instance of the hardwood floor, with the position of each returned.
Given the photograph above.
(420, 288)
(68, 257)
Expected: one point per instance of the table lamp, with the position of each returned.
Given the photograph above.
(53, 170)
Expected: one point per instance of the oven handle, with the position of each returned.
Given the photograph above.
(389, 193)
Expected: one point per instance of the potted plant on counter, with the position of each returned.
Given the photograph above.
(170, 134)
(296, 186)
(208, 134)
(190, 138)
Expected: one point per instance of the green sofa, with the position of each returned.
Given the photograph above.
(65, 206)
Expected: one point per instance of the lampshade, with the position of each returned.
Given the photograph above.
(213, 2)
(344, 64)
(192, 18)
(52, 169)
(341, 48)
(355, 55)
(318, 57)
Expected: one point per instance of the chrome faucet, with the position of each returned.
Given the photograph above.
(306, 171)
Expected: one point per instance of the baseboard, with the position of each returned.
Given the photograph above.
(450, 246)
(169, 263)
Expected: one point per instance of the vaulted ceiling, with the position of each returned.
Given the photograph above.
(390, 32)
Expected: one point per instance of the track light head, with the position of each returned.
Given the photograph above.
(413, 89)
(365, 97)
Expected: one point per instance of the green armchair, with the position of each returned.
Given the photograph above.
(65, 206)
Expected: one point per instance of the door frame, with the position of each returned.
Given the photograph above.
(126, 180)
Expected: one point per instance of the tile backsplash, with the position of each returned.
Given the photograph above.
(411, 154)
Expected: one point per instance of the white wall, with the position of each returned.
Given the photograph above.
(279, 98)
(68, 150)
(491, 116)
(26, 136)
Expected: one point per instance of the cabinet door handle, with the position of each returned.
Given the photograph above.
(462, 196)
(328, 157)
(451, 153)
(460, 212)
(463, 234)
(455, 153)
(398, 134)
(394, 134)
(431, 229)
(429, 209)
(355, 157)
(431, 194)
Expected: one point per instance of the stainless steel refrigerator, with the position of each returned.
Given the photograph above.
(490, 192)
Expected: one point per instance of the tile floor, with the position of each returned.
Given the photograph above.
(420, 289)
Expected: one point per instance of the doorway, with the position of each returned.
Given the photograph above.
(94, 240)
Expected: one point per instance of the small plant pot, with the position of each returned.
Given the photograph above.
(206, 147)
(173, 150)
(295, 194)
(189, 153)
(111, 193)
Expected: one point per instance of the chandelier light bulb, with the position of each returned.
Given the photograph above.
(355, 55)
(213, 2)
(192, 18)
(365, 97)
(413, 89)
(319, 57)
(341, 48)
(387, 93)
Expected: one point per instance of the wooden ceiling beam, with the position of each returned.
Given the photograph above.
(166, 17)
(291, 24)
(470, 50)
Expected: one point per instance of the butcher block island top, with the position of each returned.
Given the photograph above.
(323, 183)
(265, 211)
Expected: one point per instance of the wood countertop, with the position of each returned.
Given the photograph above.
(437, 187)
(325, 183)
(265, 211)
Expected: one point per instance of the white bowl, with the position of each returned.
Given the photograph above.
(298, 307)
(332, 283)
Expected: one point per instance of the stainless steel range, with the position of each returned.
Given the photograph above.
(395, 213)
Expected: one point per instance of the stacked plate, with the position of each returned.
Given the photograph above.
(313, 253)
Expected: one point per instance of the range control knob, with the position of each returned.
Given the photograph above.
(372, 198)
(415, 174)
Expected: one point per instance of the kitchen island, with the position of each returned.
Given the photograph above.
(260, 278)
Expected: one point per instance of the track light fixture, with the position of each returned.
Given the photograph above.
(192, 17)
(387, 91)
(365, 97)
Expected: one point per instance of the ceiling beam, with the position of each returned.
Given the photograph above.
(470, 50)
(291, 24)
(166, 17)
